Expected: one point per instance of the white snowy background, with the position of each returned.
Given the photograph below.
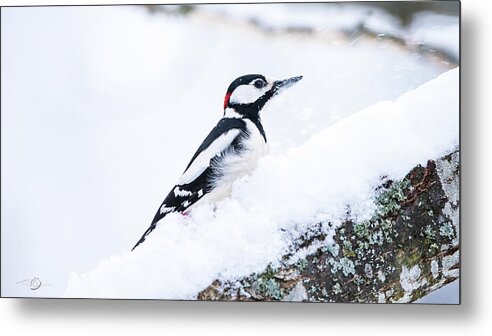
(102, 108)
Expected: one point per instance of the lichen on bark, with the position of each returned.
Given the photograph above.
(408, 248)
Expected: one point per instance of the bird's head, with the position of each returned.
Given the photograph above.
(248, 94)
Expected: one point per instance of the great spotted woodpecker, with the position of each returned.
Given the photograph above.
(231, 150)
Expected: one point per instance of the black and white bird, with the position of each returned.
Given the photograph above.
(231, 150)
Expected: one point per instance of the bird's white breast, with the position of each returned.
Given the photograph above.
(256, 147)
(237, 165)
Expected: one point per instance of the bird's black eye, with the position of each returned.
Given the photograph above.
(259, 84)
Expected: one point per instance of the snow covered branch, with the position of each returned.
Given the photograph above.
(350, 215)
(408, 248)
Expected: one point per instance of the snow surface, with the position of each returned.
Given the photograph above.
(336, 168)
(103, 107)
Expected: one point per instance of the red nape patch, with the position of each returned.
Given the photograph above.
(226, 99)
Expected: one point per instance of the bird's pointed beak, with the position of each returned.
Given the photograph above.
(283, 84)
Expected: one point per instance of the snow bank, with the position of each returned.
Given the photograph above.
(314, 182)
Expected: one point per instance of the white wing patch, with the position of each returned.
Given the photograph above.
(181, 192)
(165, 209)
(202, 161)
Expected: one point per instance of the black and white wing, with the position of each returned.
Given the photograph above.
(196, 179)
